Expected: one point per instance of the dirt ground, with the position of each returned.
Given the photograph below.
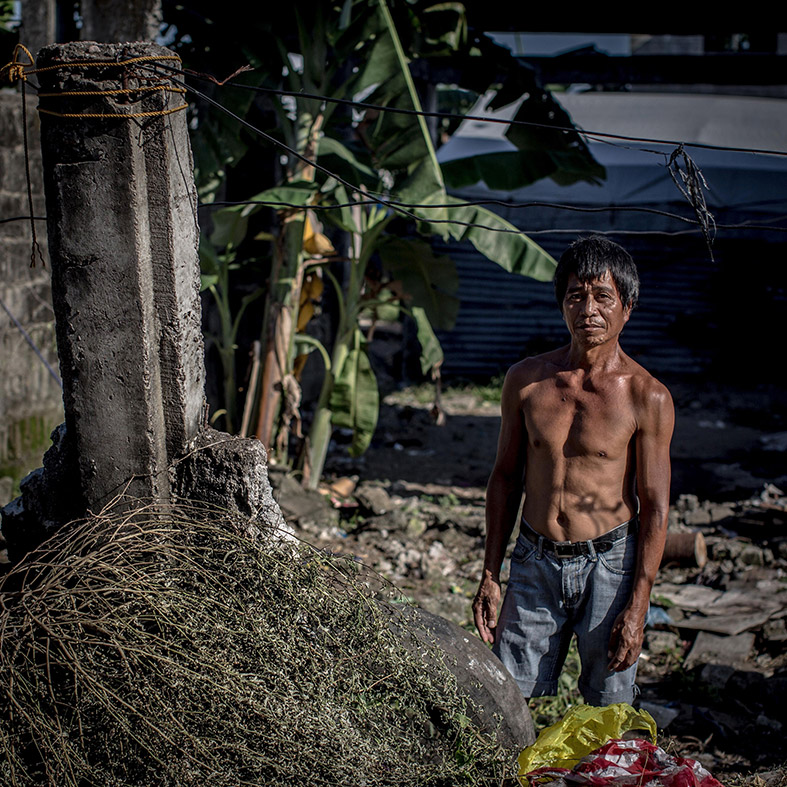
(412, 509)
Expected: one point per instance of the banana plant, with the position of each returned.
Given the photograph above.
(346, 50)
(218, 253)
(349, 396)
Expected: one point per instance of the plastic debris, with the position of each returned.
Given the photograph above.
(625, 762)
(582, 730)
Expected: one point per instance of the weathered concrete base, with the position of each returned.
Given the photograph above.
(496, 703)
(227, 473)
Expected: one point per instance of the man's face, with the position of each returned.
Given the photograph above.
(593, 310)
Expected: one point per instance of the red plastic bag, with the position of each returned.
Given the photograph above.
(626, 762)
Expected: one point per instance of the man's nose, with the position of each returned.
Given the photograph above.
(589, 305)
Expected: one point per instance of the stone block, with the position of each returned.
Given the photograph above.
(373, 499)
(303, 506)
(731, 651)
(230, 474)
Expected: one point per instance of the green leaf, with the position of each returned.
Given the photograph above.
(505, 171)
(431, 351)
(399, 141)
(340, 160)
(207, 280)
(355, 400)
(497, 239)
(428, 280)
(569, 156)
(296, 192)
(229, 227)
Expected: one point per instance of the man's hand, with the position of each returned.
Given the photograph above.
(625, 641)
(485, 606)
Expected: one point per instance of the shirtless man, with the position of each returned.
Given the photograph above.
(585, 431)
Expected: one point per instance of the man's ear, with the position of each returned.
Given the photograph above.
(626, 313)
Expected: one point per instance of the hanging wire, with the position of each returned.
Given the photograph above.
(482, 118)
(688, 179)
(18, 325)
(405, 208)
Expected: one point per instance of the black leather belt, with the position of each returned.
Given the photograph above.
(602, 543)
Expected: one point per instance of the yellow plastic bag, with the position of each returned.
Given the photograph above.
(582, 730)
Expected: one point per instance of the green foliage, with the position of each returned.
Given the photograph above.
(144, 649)
(429, 281)
(361, 48)
(355, 401)
(218, 254)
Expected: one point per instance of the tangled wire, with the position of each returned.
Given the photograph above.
(147, 649)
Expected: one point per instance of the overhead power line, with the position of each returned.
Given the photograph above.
(483, 118)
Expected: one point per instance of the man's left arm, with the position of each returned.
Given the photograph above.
(655, 422)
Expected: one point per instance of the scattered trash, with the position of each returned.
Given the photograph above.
(582, 730)
(626, 762)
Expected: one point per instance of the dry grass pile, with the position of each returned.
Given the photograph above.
(150, 650)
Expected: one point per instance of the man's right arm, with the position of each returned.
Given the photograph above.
(503, 496)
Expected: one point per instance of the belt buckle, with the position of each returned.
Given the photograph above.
(564, 549)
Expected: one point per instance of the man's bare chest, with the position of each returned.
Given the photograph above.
(575, 420)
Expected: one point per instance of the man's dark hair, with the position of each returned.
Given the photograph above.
(588, 258)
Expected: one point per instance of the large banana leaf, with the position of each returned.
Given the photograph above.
(494, 237)
(497, 239)
(431, 351)
(430, 281)
(355, 400)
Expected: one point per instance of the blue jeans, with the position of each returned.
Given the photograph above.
(549, 598)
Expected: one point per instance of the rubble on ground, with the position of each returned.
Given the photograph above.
(714, 665)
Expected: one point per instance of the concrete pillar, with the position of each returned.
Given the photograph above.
(123, 234)
(120, 20)
(39, 24)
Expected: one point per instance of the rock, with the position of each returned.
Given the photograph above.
(497, 704)
(711, 648)
(660, 643)
(751, 555)
(687, 503)
(662, 715)
(699, 516)
(727, 549)
(775, 631)
(416, 526)
(439, 560)
(779, 547)
(390, 521)
(719, 512)
(230, 473)
(304, 506)
(716, 675)
(373, 499)
(50, 497)
(769, 724)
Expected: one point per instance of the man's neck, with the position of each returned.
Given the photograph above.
(595, 357)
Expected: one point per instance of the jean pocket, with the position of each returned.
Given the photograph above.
(523, 550)
(622, 558)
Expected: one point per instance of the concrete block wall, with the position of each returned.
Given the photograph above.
(30, 401)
